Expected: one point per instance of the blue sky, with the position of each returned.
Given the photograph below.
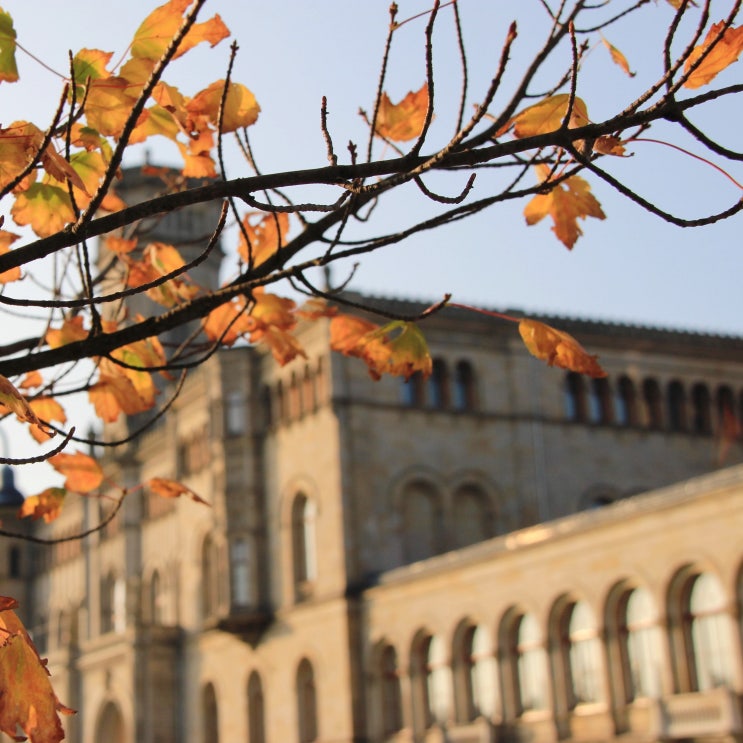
(632, 267)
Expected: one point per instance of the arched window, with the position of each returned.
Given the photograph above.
(599, 401)
(242, 592)
(625, 402)
(210, 715)
(211, 577)
(110, 726)
(581, 651)
(309, 393)
(421, 519)
(475, 673)
(530, 665)
(412, 391)
(306, 702)
(701, 421)
(437, 387)
(464, 393)
(14, 562)
(256, 710)
(676, 399)
(303, 545)
(390, 692)
(575, 397)
(420, 679)
(107, 603)
(728, 425)
(471, 516)
(708, 634)
(653, 406)
(640, 645)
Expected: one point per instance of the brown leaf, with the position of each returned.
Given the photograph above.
(403, 121)
(558, 348)
(46, 505)
(172, 489)
(618, 57)
(725, 51)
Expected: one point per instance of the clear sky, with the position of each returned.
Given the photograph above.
(632, 267)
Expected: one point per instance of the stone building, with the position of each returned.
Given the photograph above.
(503, 552)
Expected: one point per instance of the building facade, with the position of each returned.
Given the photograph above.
(474, 557)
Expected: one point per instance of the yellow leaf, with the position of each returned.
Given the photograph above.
(12, 399)
(6, 240)
(47, 209)
(8, 68)
(114, 394)
(46, 505)
(47, 409)
(172, 489)
(83, 474)
(548, 115)
(156, 32)
(403, 121)
(19, 144)
(723, 53)
(565, 203)
(558, 348)
(28, 700)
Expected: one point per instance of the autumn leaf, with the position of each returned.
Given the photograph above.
(8, 69)
(46, 208)
(172, 489)
(156, 32)
(72, 330)
(6, 240)
(47, 409)
(558, 348)
(609, 145)
(27, 700)
(617, 57)
(19, 144)
(114, 394)
(120, 245)
(724, 51)
(228, 322)
(402, 355)
(265, 236)
(240, 107)
(547, 116)
(567, 202)
(16, 403)
(46, 505)
(31, 380)
(402, 121)
(83, 474)
(158, 260)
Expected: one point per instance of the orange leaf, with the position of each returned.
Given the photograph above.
(618, 57)
(723, 53)
(47, 409)
(402, 355)
(46, 505)
(558, 348)
(266, 235)
(547, 116)
(114, 394)
(565, 203)
(120, 245)
(172, 489)
(228, 322)
(83, 473)
(72, 330)
(609, 145)
(27, 700)
(31, 380)
(240, 107)
(403, 121)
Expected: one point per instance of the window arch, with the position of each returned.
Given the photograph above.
(110, 725)
(256, 710)
(464, 392)
(640, 647)
(437, 386)
(474, 674)
(306, 702)
(303, 525)
(575, 397)
(529, 664)
(242, 583)
(599, 401)
(708, 635)
(676, 404)
(390, 693)
(625, 402)
(421, 521)
(210, 714)
(700, 402)
(112, 604)
(412, 391)
(472, 519)
(653, 407)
